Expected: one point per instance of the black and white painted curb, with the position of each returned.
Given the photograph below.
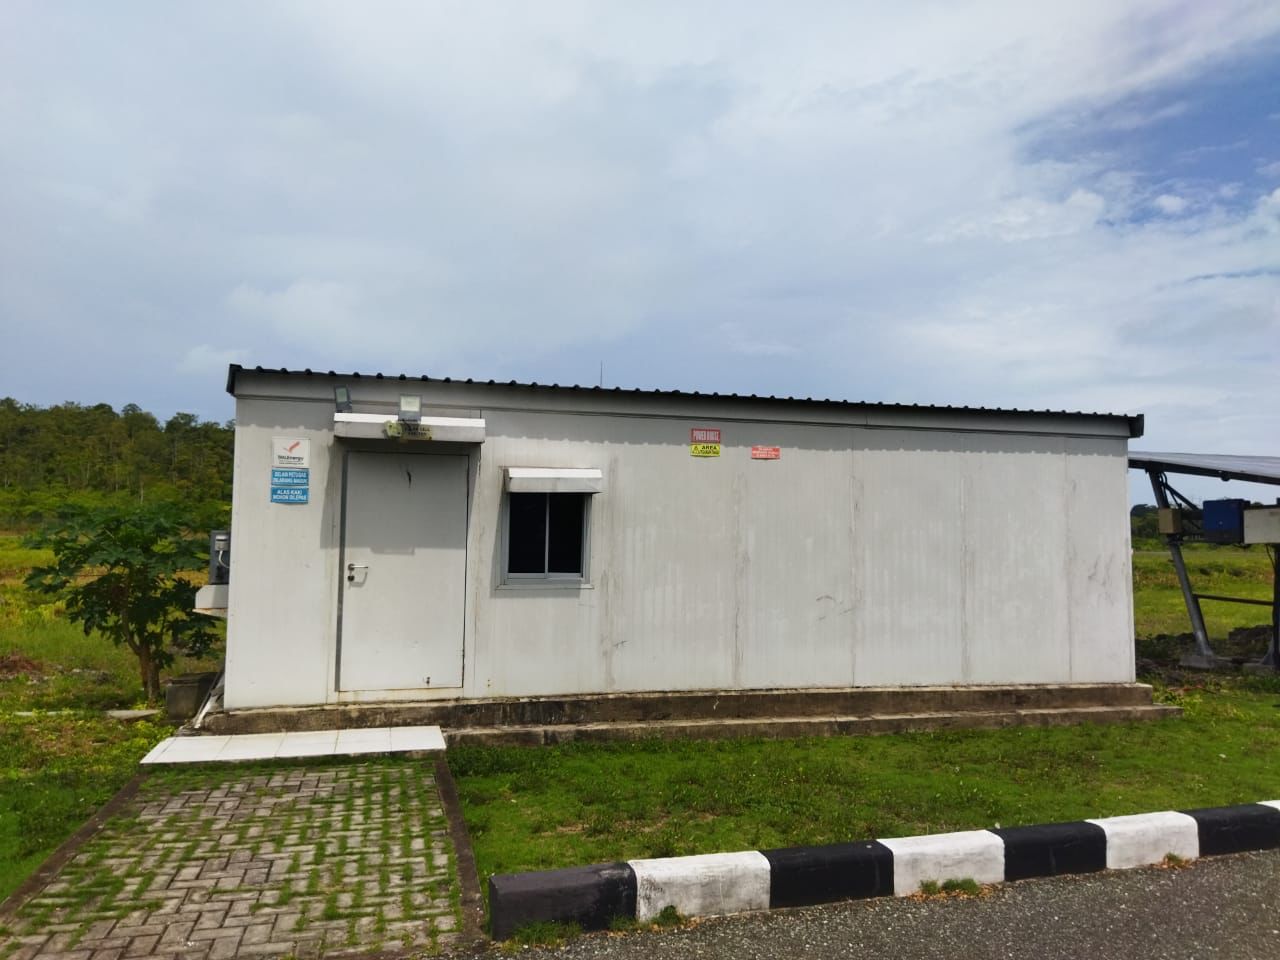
(724, 883)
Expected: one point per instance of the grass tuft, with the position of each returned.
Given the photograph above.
(955, 887)
(543, 933)
(668, 916)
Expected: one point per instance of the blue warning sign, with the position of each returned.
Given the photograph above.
(290, 477)
(290, 494)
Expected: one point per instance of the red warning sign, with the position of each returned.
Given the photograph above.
(766, 453)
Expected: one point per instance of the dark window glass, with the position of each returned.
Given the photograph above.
(527, 543)
(564, 532)
(545, 533)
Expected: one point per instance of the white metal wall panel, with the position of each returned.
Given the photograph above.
(281, 599)
(1014, 531)
(1098, 562)
(795, 625)
(908, 556)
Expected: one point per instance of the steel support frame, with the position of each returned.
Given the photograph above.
(1161, 489)
(1272, 659)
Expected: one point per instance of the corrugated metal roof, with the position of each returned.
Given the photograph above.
(1134, 421)
(1223, 466)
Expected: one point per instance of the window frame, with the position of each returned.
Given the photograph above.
(546, 579)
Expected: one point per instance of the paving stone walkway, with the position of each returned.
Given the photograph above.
(211, 864)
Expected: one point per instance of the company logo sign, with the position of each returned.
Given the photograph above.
(290, 452)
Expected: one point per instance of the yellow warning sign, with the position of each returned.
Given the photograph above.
(704, 449)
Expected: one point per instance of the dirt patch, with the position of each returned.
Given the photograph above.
(1165, 650)
(1250, 642)
(16, 665)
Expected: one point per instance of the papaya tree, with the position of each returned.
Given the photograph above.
(125, 572)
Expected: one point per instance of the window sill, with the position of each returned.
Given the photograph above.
(545, 585)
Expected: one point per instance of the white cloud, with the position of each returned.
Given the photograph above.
(1031, 218)
(1169, 204)
(324, 309)
(739, 340)
(1135, 120)
(204, 359)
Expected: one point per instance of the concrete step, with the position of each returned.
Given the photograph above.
(783, 727)
(693, 705)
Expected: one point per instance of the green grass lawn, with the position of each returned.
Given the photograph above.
(62, 758)
(1158, 607)
(537, 808)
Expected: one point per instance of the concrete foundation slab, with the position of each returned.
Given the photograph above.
(706, 714)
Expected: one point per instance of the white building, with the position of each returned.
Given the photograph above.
(523, 540)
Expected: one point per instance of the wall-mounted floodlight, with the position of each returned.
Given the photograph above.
(410, 408)
(342, 399)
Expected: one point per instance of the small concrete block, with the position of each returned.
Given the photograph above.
(589, 896)
(178, 932)
(1198, 661)
(405, 739)
(251, 746)
(710, 885)
(224, 948)
(131, 715)
(1250, 826)
(193, 749)
(142, 946)
(62, 941)
(98, 930)
(976, 855)
(275, 947)
(371, 740)
(311, 743)
(1052, 849)
(1146, 838)
(802, 876)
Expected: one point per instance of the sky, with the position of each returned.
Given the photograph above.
(1064, 206)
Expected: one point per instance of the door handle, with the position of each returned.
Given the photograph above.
(352, 568)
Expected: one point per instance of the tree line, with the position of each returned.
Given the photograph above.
(1143, 520)
(69, 455)
(75, 455)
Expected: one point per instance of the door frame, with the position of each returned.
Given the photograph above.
(337, 690)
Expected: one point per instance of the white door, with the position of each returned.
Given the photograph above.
(404, 560)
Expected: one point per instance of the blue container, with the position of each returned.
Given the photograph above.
(1223, 520)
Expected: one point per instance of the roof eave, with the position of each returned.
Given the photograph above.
(1134, 423)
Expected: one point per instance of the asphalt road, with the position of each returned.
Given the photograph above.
(1217, 907)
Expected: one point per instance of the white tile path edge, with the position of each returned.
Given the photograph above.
(279, 746)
